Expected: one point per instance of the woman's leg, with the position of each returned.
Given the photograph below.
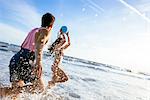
(58, 75)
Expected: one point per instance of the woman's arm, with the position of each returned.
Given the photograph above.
(68, 44)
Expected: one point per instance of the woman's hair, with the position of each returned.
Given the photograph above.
(47, 20)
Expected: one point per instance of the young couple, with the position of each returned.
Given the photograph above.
(26, 65)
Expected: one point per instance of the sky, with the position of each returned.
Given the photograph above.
(113, 32)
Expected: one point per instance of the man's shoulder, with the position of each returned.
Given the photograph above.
(43, 31)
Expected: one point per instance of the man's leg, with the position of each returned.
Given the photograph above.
(14, 90)
(19, 83)
(38, 84)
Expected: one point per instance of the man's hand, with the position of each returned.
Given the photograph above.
(38, 71)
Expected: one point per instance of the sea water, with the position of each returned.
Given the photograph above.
(86, 82)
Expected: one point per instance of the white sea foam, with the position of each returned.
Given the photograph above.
(85, 83)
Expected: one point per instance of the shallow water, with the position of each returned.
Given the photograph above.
(87, 82)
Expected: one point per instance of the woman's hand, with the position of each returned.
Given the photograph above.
(67, 33)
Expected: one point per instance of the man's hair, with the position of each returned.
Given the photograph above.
(47, 20)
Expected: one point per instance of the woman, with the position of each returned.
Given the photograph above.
(58, 48)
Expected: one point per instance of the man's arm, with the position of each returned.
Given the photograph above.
(40, 41)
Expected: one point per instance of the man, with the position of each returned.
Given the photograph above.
(26, 65)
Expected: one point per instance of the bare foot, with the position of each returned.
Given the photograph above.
(5, 91)
(51, 84)
(20, 83)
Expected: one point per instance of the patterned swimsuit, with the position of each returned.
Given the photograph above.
(58, 74)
